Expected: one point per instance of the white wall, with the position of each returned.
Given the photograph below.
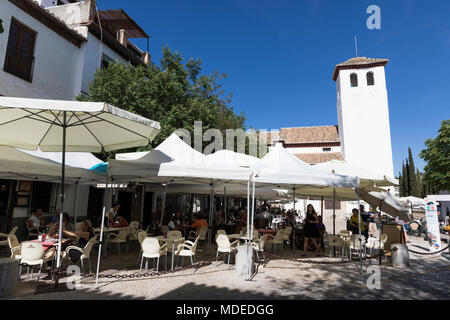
(363, 116)
(313, 150)
(56, 72)
(93, 57)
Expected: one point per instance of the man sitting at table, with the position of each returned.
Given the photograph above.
(198, 224)
(36, 221)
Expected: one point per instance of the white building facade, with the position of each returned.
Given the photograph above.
(51, 49)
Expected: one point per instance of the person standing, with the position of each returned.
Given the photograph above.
(310, 231)
(112, 214)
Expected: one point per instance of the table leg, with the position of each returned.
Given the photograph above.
(173, 252)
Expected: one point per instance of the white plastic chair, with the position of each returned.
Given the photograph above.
(336, 242)
(15, 247)
(141, 237)
(225, 246)
(5, 236)
(188, 249)
(152, 250)
(119, 238)
(278, 240)
(356, 244)
(220, 231)
(202, 234)
(165, 229)
(259, 246)
(374, 243)
(85, 252)
(32, 255)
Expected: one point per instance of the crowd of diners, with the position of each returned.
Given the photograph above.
(234, 221)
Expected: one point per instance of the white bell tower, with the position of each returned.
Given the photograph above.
(363, 114)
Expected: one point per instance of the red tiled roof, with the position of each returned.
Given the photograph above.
(310, 134)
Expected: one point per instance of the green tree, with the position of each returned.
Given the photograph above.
(173, 92)
(413, 186)
(437, 157)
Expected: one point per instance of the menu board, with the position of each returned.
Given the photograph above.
(434, 234)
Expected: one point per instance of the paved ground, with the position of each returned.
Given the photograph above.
(427, 278)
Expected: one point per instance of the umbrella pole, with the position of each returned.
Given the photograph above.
(248, 208)
(211, 205)
(101, 233)
(225, 205)
(359, 227)
(250, 248)
(75, 203)
(63, 176)
(293, 229)
(163, 207)
(334, 218)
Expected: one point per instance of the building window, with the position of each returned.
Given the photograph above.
(353, 80)
(19, 58)
(370, 79)
(326, 149)
(329, 205)
(106, 61)
(41, 196)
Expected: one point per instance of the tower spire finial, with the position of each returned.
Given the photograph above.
(356, 47)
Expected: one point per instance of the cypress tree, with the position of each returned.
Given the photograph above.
(403, 185)
(408, 180)
(414, 188)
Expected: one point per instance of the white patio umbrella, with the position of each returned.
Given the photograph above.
(386, 203)
(71, 126)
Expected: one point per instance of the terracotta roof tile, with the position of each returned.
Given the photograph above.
(310, 134)
(358, 63)
(315, 158)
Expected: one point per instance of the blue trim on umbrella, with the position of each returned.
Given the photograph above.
(101, 167)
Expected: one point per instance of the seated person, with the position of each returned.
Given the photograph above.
(219, 220)
(178, 219)
(171, 224)
(198, 223)
(322, 230)
(405, 227)
(112, 214)
(119, 222)
(36, 220)
(55, 219)
(354, 223)
(68, 222)
(85, 234)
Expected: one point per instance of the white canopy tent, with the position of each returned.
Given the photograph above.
(366, 177)
(16, 164)
(71, 126)
(83, 160)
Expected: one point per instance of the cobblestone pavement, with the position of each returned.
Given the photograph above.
(428, 277)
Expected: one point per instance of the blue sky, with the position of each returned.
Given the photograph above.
(280, 55)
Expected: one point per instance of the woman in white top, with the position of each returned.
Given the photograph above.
(113, 213)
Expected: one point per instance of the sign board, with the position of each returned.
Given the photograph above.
(434, 235)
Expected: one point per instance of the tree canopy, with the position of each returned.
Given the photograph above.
(173, 92)
(437, 157)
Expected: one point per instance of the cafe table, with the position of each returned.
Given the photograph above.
(52, 243)
(171, 241)
(108, 230)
